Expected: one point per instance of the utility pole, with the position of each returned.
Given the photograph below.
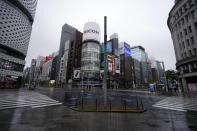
(105, 63)
(82, 81)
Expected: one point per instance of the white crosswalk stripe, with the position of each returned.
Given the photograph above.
(25, 98)
(178, 103)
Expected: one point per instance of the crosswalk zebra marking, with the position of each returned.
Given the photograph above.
(25, 103)
(46, 105)
(176, 107)
(30, 105)
(177, 103)
(170, 108)
(25, 99)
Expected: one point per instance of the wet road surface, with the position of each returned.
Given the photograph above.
(60, 117)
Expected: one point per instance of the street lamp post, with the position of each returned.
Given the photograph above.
(82, 81)
(105, 63)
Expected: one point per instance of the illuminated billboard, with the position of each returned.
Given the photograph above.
(126, 45)
(127, 51)
(124, 48)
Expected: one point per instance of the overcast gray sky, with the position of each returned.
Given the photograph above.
(138, 22)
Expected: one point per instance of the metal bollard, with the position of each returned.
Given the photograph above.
(110, 105)
(82, 103)
(142, 104)
(125, 105)
(137, 104)
(96, 104)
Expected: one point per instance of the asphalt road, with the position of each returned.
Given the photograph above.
(47, 109)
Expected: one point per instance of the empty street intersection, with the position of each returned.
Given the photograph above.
(47, 109)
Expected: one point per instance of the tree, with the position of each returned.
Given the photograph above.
(171, 75)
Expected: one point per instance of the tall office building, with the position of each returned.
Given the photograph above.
(32, 72)
(113, 59)
(46, 71)
(160, 70)
(182, 22)
(136, 72)
(16, 19)
(126, 64)
(71, 38)
(53, 71)
(138, 53)
(157, 70)
(63, 64)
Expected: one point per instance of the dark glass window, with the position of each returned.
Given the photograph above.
(192, 40)
(185, 31)
(183, 45)
(190, 29)
(186, 18)
(194, 14)
(195, 51)
(181, 34)
(11, 53)
(188, 43)
(190, 53)
(178, 36)
(195, 24)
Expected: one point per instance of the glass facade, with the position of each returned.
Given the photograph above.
(90, 62)
(12, 53)
(141, 56)
(138, 54)
(7, 65)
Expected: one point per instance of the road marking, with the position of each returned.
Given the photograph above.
(177, 103)
(25, 99)
(44, 105)
(170, 108)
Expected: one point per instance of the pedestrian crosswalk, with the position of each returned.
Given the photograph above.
(25, 98)
(178, 104)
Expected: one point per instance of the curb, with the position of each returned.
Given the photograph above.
(73, 108)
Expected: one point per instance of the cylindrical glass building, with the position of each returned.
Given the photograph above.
(90, 62)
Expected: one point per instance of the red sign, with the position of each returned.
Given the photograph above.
(47, 58)
(113, 65)
(192, 87)
(91, 31)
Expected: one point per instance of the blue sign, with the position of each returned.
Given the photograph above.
(109, 47)
(127, 51)
(126, 45)
(102, 64)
